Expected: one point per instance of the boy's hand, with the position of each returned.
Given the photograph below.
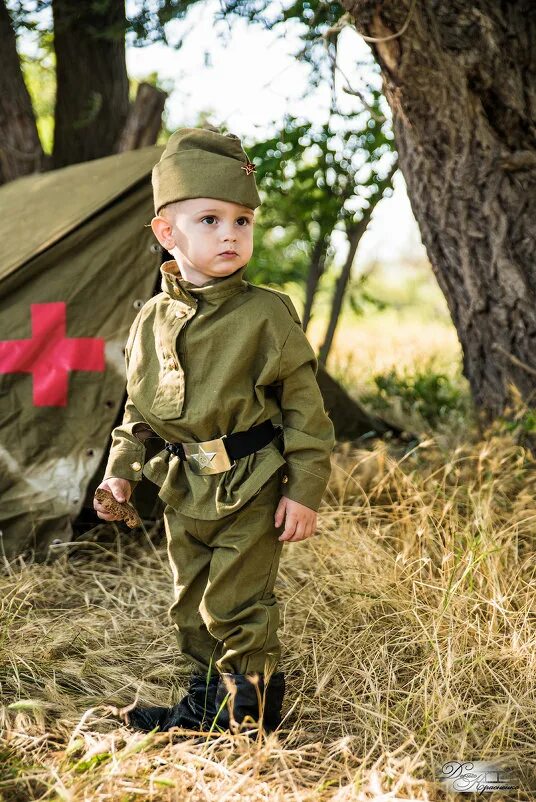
(121, 490)
(300, 521)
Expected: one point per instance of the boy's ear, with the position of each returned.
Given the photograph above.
(163, 232)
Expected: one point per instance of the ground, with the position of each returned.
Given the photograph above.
(407, 621)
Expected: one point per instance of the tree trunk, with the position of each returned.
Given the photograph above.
(354, 233)
(316, 268)
(461, 81)
(20, 148)
(144, 119)
(92, 83)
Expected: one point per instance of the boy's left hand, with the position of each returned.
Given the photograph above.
(300, 521)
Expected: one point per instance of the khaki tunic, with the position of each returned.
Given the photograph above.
(204, 361)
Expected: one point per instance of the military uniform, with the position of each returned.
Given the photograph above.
(227, 355)
(204, 362)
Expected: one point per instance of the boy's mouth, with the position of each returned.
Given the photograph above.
(228, 253)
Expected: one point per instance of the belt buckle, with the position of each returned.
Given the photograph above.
(208, 457)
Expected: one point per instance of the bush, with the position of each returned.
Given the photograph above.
(434, 396)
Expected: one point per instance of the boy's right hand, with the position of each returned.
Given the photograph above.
(121, 489)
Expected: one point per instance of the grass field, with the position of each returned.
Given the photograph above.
(407, 622)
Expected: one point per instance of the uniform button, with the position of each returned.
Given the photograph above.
(284, 478)
(136, 466)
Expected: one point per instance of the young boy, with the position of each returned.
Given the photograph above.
(212, 362)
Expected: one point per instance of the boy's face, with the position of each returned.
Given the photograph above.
(200, 233)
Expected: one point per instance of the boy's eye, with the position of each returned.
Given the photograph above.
(213, 217)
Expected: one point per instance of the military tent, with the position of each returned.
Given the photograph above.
(78, 260)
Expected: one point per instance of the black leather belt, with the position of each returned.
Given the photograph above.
(220, 454)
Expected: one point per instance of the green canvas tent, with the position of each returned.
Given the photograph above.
(78, 260)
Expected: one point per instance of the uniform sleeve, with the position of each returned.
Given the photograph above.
(127, 451)
(308, 432)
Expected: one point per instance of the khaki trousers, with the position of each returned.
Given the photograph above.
(225, 612)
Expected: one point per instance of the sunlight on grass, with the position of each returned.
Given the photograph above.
(390, 339)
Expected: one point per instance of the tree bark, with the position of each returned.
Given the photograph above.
(20, 148)
(461, 82)
(144, 119)
(92, 83)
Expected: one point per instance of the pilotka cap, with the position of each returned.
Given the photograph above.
(200, 163)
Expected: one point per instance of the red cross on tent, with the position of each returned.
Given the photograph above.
(49, 355)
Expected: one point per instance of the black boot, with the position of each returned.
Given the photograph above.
(195, 711)
(275, 693)
(245, 702)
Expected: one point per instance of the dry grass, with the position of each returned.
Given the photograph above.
(408, 632)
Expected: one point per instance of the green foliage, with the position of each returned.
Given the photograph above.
(147, 23)
(523, 424)
(434, 396)
(148, 19)
(314, 180)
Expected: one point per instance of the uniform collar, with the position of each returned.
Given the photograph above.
(182, 290)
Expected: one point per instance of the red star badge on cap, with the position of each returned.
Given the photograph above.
(249, 167)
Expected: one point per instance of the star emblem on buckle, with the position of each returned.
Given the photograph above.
(204, 458)
(249, 167)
